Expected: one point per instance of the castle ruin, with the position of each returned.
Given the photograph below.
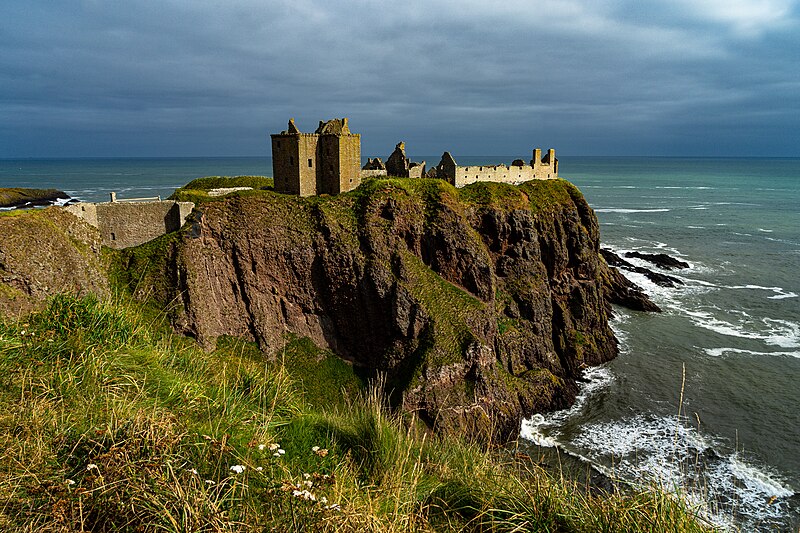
(327, 161)
(540, 168)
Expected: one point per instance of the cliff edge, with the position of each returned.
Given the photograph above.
(482, 305)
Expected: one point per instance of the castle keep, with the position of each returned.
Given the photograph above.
(327, 161)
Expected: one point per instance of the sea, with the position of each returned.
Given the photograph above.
(703, 400)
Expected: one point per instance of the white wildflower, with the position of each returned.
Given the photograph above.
(276, 454)
(334, 507)
(261, 447)
(274, 446)
(296, 493)
(237, 469)
(194, 471)
(281, 451)
(315, 449)
(306, 475)
(323, 500)
(69, 482)
(210, 482)
(92, 466)
(259, 468)
(308, 484)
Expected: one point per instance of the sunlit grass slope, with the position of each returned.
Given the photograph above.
(108, 422)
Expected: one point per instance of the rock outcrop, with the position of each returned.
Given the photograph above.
(662, 280)
(481, 305)
(21, 197)
(45, 252)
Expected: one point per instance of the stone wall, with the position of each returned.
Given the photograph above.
(126, 224)
(349, 162)
(540, 168)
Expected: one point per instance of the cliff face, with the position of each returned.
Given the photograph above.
(481, 305)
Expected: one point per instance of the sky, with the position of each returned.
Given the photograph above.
(135, 78)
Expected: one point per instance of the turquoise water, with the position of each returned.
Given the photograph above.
(727, 343)
(704, 396)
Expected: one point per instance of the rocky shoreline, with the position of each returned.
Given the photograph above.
(21, 198)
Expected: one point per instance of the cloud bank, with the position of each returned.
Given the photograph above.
(612, 77)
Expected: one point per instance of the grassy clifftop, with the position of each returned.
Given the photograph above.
(109, 422)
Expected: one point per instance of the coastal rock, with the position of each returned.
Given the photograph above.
(479, 312)
(20, 197)
(621, 291)
(45, 252)
(662, 280)
(667, 262)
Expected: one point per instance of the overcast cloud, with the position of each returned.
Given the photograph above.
(588, 77)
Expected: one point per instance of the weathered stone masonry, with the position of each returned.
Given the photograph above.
(540, 168)
(327, 161)
(124, 224)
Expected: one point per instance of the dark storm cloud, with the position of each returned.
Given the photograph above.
(214, 78)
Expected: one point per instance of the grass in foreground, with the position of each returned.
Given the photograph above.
(109, 423)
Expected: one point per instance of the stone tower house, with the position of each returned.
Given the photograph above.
(327, 161)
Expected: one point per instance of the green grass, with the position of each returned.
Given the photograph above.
(197, 190)
(14, 195)
(108, 422)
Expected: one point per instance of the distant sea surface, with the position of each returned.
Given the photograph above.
(704, 397)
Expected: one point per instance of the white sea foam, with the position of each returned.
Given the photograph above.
(538, 428)
(676, 187)
(719, 352)
(696, 227)
(765, 230)
(626, 210)
(774, 332)
(668, 452)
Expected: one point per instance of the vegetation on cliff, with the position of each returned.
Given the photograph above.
(111, 422)
(481, 305)
(19, 196)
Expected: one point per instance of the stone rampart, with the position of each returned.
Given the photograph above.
(126, 224)
(540, 168)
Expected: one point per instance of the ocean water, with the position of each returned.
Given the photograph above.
(703, 399)
(91, 180)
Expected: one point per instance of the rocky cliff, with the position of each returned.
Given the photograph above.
(45, 252)
(481, 305)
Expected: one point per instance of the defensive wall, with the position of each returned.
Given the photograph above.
(126, 224)
(540, 168)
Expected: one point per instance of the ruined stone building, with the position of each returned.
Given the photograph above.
(539, 168)
(327, 161)
(400, 165)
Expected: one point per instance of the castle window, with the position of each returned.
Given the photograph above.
(310, 164)
(113, 237)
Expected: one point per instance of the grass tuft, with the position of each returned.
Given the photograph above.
(110, 423)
